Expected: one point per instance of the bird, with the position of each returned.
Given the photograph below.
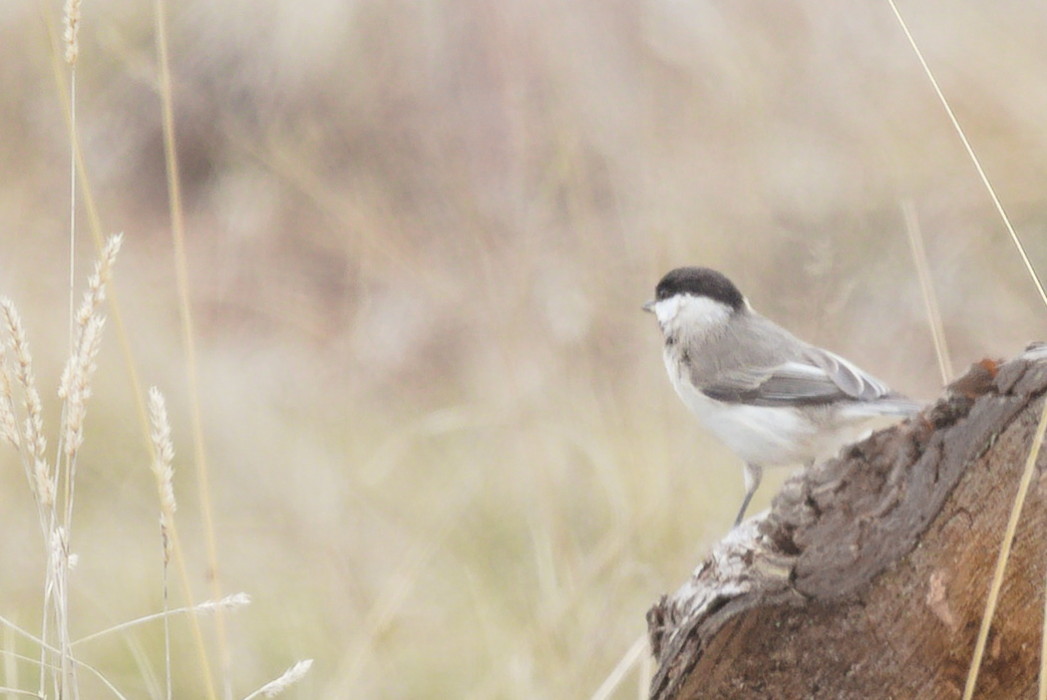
(772, 398)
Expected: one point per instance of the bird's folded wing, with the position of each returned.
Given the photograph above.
(817, 377)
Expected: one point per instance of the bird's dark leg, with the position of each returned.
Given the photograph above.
(753, 475)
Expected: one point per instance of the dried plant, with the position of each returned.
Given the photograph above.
(72, 31)
(8, 421)
(229, 602)
(57, 662)
(163, 457)
(163, 470)
(289, 678)
(33, 446)
(55, 509)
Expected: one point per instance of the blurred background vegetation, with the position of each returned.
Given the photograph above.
(446, 461)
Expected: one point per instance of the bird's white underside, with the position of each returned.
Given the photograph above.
(771, 436)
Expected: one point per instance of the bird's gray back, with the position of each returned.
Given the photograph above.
(755, 342)
(760, 363)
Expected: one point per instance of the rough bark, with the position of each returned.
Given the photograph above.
(868, 577)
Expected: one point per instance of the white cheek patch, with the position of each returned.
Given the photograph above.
(703, 312)
(690, 313)
(666, 309)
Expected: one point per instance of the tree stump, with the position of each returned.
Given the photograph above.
(869, 575)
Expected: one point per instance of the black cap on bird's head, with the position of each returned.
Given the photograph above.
(699, 282)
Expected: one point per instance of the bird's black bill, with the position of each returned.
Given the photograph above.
(649, 306)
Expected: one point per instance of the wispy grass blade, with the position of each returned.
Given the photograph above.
(72, 50)
(930, 299)
(229, 603)
(625, 664)
(94, 219)
(163, 471)
(973, 156)
(33, 439)
(182, 276)
(1004, 555)
(44, 646)
(289, 678)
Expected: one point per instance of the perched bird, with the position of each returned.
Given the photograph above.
(772, 398)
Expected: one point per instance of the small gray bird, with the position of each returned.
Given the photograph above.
(769, 396)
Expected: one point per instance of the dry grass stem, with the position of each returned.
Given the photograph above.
(1005, 554)
(45, 647)
(96, 283)
(10, 668)
(930, 299)
(163, 471)
(74, 389)
(59, 565)
(77, 385)
(72, 31)
(89, 306)
(41, 479)
(44, 483)
(645, 676)
(8, 419)
(973, 156)
(228, 603)
(289, 678)
(637, 650)
(189, 343)
(163, 456)
(66, 93)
